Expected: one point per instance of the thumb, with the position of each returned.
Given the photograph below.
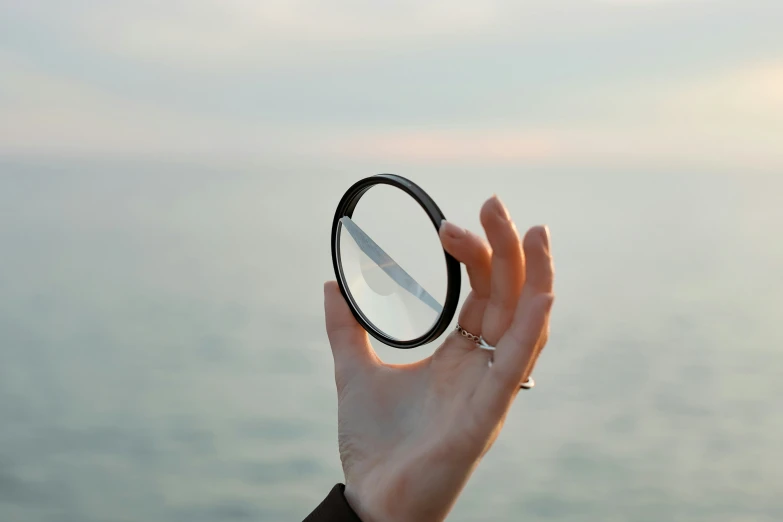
(351, 346)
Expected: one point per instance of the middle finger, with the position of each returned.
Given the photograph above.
(508, 269)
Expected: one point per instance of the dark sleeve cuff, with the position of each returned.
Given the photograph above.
(334, 508)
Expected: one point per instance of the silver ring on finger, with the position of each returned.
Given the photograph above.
(484, 345)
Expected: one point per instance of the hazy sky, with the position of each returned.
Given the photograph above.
(617, 83)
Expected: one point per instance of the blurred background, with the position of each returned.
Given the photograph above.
(168, 175)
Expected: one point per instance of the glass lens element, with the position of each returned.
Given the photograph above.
(393, 265)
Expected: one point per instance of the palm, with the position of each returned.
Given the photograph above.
(396, 425)
(423, 427)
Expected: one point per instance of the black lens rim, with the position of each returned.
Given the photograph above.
(346, 208)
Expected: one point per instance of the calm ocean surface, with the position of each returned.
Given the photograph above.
(163, 357)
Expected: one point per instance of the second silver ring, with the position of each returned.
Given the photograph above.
(484, 345)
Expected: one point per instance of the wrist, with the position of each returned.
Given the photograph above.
(366, 513)
(390, 508)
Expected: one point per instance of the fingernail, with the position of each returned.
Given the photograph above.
(452, 230)
(500, 208)
(545, 236)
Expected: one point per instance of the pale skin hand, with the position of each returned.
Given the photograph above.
(411, 435)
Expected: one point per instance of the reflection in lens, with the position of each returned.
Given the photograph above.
(375, 258)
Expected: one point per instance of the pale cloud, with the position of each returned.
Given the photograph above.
(731, 118)
(211, 34)
(230, 32)
(450, 145)
(665, 147)
(751, 94)
(507, 82)
(727, 118)
(46, 114)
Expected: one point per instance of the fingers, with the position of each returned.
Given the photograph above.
(518, 349)
(351, 347)
(508, 269)
(474, 253)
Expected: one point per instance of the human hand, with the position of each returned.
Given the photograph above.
(411, 435)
